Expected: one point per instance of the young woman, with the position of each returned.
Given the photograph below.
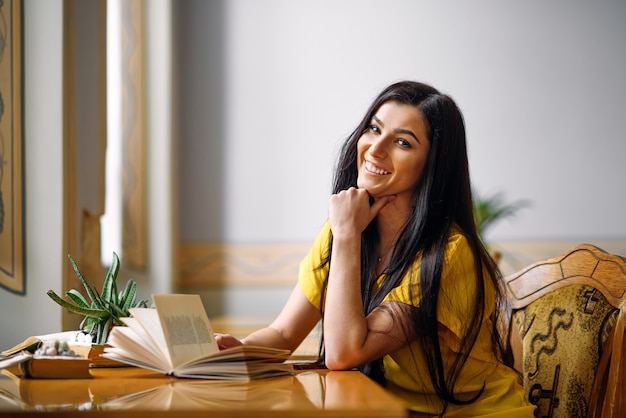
(398, 275)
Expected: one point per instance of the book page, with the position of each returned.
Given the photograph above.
(240, 353)
(150, 324)
(15, 359)
(186, 327)
(130, 344)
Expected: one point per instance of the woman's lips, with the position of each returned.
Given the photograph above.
(374, 169)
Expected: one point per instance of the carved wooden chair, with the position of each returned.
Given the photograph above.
(567, 333)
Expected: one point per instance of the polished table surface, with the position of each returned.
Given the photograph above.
(133, 392)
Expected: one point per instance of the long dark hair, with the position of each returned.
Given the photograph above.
(443, 199)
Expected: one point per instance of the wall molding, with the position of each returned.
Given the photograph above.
(210, 264)
(218, 265)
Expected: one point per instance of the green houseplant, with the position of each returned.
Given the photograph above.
(490, 209)
(104, 309)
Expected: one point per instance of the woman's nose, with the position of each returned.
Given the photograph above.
(378, 147)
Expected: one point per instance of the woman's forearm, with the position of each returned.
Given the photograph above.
(345, 325)
(268, 337)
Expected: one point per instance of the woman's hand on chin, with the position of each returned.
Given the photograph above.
(350, 210)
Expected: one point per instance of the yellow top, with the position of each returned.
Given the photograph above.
(406, 371)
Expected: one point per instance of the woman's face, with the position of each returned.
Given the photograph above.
(392, 152)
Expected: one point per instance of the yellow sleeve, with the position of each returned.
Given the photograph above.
(458, 284)
(457, 289)
(310, 276)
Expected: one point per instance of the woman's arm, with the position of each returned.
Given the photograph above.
(352, 339)
(287, 331)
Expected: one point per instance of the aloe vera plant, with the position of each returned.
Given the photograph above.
(104, 309)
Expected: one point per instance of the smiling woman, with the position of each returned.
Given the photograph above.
(418, 308)
(391, 158)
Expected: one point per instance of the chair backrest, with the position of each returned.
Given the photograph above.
(567, 338)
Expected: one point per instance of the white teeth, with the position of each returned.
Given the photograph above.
(373, 169)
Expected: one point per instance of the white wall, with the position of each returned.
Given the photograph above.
(35, 313)
(271, 87)
(268, 88)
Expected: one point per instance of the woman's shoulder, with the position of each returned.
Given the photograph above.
(318, 251)
(459, 257)
(457, 240)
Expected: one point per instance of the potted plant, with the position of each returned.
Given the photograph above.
(488, 210)
(104, 309)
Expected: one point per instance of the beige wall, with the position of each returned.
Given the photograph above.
(34, 313)
(263, 92)
(266, 90)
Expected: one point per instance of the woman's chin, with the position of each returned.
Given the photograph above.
(365, 185)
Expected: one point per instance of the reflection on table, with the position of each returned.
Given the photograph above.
(129, 391)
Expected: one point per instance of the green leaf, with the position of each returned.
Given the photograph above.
(93, 324)
(103, 331)
(90, 291)
(96, 313)
(104, 305)
(128, 295)
(109, 288)
(77, 298)
(89, 324)
(118, 312)
(488, 210)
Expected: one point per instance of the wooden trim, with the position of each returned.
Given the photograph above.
(215, 264)
(581, 265)
(82, 209)
(614, 404)
(517, 255)
(69, 321)
(134, 218)
(209, 264)
(102, 104)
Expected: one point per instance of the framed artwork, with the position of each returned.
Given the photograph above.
(12, 275)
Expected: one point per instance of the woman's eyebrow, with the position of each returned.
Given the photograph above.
(378, 121)
(399, 130)
(407, 132)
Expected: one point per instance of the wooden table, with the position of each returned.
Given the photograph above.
(133, 392)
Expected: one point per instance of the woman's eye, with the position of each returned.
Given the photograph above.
(374, 129)
(403, 143)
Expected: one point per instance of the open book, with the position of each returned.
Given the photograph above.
(176, 338)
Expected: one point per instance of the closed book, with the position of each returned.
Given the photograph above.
(56, 368)
(46, 367)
